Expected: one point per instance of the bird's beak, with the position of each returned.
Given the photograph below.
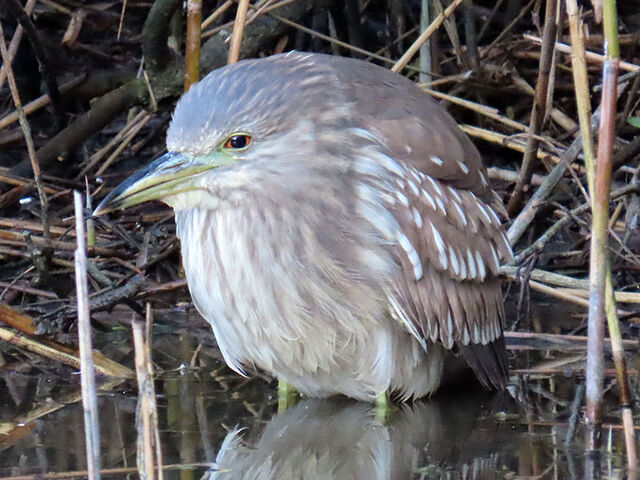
(168, 175)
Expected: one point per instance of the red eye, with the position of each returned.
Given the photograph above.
(237, 142)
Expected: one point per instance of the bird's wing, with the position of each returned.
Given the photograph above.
(443, 221)
(450, 244)
(411, 125)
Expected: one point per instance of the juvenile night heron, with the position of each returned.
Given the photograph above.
(337, 228)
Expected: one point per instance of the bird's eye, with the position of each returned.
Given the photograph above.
(237, 142)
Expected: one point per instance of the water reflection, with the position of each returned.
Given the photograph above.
(219, 426)
(335, 439)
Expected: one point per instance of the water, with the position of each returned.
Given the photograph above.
(214, 424)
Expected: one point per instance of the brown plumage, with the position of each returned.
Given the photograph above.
(422, 136)
(349, 242)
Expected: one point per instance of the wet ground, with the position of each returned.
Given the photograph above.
(215, 424)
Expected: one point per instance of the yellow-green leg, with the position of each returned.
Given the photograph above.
(383, 407)
(287, 395)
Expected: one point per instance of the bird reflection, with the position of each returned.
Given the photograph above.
(340, 439)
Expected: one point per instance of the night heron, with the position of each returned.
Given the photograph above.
(337, 228)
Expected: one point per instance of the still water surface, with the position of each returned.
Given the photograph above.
(216, 425)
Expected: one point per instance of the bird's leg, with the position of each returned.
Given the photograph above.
(383, 407)
(287, 395)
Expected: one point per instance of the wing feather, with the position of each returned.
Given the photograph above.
(436, 205)
(456, 299)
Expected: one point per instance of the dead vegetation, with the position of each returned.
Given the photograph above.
(97, 82)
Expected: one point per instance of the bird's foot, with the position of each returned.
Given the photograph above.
(287, 395)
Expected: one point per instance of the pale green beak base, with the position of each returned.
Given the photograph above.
(165, 176)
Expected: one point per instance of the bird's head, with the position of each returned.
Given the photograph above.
(241, 124)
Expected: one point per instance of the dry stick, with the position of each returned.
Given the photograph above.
(550, 278)
(487, 51)
(215, 30)
(145, 436)
(577, 342)
(583, 102)
(386, 48)
(149, 444)
(103, 110)
(219, 11)
(599, 252)
(538, 109)
(154, 407)
(570, 295)
(124, 9)
(632, 97)
(591, 56)
(266, 7)
(471, 35)
(425, 48)
(258, 9)
(57, 7)
(542, 240)
(556, 114)
(24, 325)
(8, 237)
(601, 282)
(511, 176)
(610, 307)
(91, 230)
(530, 210)
(192, 47)
(512, 142)
(554, 68)
(26, 130)
(100, 154)
(15, 280)
(559, 294)
(424, 36)
(489, 20)
(452, 33)
(17, 11)
(581, 84)
(15, 41)
(597, 10)
(105, 366)
(621, 373)
(620, 297)
(577, 287)
(121, 471)
(238, 29)
(74, 27)
(40, 102)
(528, 213)
(333, 32)
(329, 39)
(125, 141)
(489, 112)
(87, 374)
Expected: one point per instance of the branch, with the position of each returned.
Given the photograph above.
(156, 30)
(40, 52)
